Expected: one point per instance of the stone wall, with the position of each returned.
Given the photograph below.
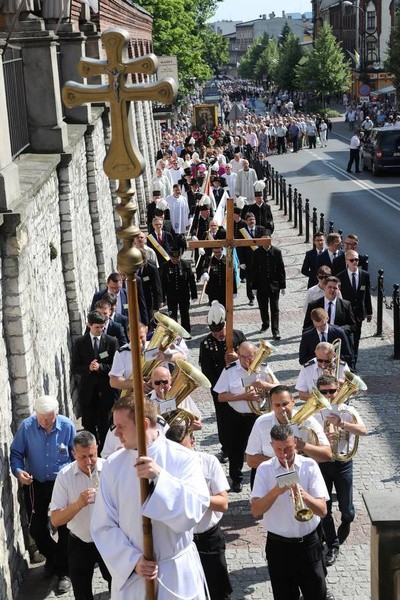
(58, 245)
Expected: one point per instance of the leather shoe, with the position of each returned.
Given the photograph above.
(64, 583)
(331, 556)
(276, 336)
(236, 487)
(251, 303)
(222, 457)
(343, 532)
(329, 595)
(263, 329)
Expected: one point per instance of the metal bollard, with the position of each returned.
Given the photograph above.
(295, 209)
(300, 207)
(269, 191)
(396, 321)
(322, 222)
(280, 192)
(331, 229)
(277, 188)
(307, 213)
(273, 183)
(284, 197)
(314, 221)
(290, 198)
(379, 301)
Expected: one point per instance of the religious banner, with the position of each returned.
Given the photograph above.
(205, 117)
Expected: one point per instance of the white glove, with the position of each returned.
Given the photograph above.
(283, 292)
(243, 267)
(195, 238)
(204, 277)
(202, 251)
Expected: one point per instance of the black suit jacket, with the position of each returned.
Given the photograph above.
(151, 287)
(309, 268)
(124, 321)
(361, 300)
(262, 214)
(339, 263)
(325, 259)
(310, 339)
(186, 287)
(117, 331)
(124, 301)
(167, 243)
(94, 381)
(263, 275)
(344, 316)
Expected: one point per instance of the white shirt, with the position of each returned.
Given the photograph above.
(188, 404)
(279, 519)
(313, 293)
(355, 142)
(310, 372)
(216, 483)
(230, 381)
(69, 483)
(348, 414)
(259, 441)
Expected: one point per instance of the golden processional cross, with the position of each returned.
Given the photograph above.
(229, 243)
(123, 162)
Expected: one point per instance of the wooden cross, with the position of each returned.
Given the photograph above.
(229, 243)
(123, 160)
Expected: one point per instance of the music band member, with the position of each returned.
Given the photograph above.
(240, 417)
(342, 425)
(289, 541)
(324, 363)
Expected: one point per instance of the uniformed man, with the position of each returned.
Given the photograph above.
(260, 209)
(241, 418)
(324, 363)
(251, 230)
(199, 231)
(179, 286)
(215, 277)
(213, 359)
(238, 224)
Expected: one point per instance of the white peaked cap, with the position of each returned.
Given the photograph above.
(259, 186)
(46, 404)
(205, 201)
(240, 202)
(192, 141)
(162, 204)
(216, 314)
(186, 165)
(215, 166)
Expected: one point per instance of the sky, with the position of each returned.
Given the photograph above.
(246, 10)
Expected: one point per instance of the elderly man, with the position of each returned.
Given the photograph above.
(324, 363)
(240, 418)
(177, 503)
(179, 210)
(41, 447)
(72, 505)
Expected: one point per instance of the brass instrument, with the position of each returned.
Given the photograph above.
(337, 348)
(352, 384)
(265, 349)
(178, 415)
(301, 512)
(313, 404)
(185, 379)
(167, 331)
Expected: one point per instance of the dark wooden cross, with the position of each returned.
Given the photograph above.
(229, 243)
(123, 162)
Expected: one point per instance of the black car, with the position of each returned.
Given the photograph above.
(381, 149)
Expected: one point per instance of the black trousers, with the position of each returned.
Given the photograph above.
(239, 427)
(211, 548)
(296, 566)
(268, 301)
(354, 157)
(37, 500)
(82, 558)
(221, 410)
(174, 302)
(96, 416)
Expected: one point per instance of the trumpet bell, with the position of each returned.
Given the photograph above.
(314, 404)
(303, 514)
(352, 384)
(185, 379)
(167, 331)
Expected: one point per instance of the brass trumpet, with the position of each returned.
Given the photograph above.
(260, 407)
(301, 512)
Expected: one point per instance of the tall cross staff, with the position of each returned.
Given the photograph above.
(123, 162)
(229, 243)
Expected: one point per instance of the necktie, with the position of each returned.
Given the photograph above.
(334, 254)
(159, 238)
(323, 337)
(329, 311)
(96, 347)
(353, 282)
(252, 232)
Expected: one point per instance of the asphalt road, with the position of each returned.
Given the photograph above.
(363, 204)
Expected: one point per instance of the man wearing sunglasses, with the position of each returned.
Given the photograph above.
(322, 331)
(356, 288)
(318, 291)
(350, 243)
(345, 422)
(324, 363)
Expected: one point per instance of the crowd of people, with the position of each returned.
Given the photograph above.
(297, 456)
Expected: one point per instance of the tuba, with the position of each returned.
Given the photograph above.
(313, 404)
(352, 384)
(265, 349)
(185, 379)
(167, 331)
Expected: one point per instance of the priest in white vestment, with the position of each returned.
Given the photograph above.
(178, 209)
(177, 503)
(245, 181)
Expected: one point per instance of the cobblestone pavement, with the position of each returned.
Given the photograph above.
(376, 466)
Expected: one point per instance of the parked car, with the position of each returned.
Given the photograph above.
(381, 149)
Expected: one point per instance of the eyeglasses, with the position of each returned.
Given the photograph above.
(324, 361)
(353, 259)
(330, 391)
(160, 381)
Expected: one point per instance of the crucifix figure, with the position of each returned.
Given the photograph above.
(229, 243)
(123, 162)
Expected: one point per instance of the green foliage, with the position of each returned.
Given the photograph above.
(180, 29)
(289, 55)
(325, 69)
(392, 62)
(247, 67)
(286, 31)
(266, 65)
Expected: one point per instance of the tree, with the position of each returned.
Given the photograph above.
(286, 31)
(289, 55)
(266, 66)
(392, 62)
(180, 29)
(325, 69)
(252, 56)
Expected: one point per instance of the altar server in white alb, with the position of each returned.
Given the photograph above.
(177, 503)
